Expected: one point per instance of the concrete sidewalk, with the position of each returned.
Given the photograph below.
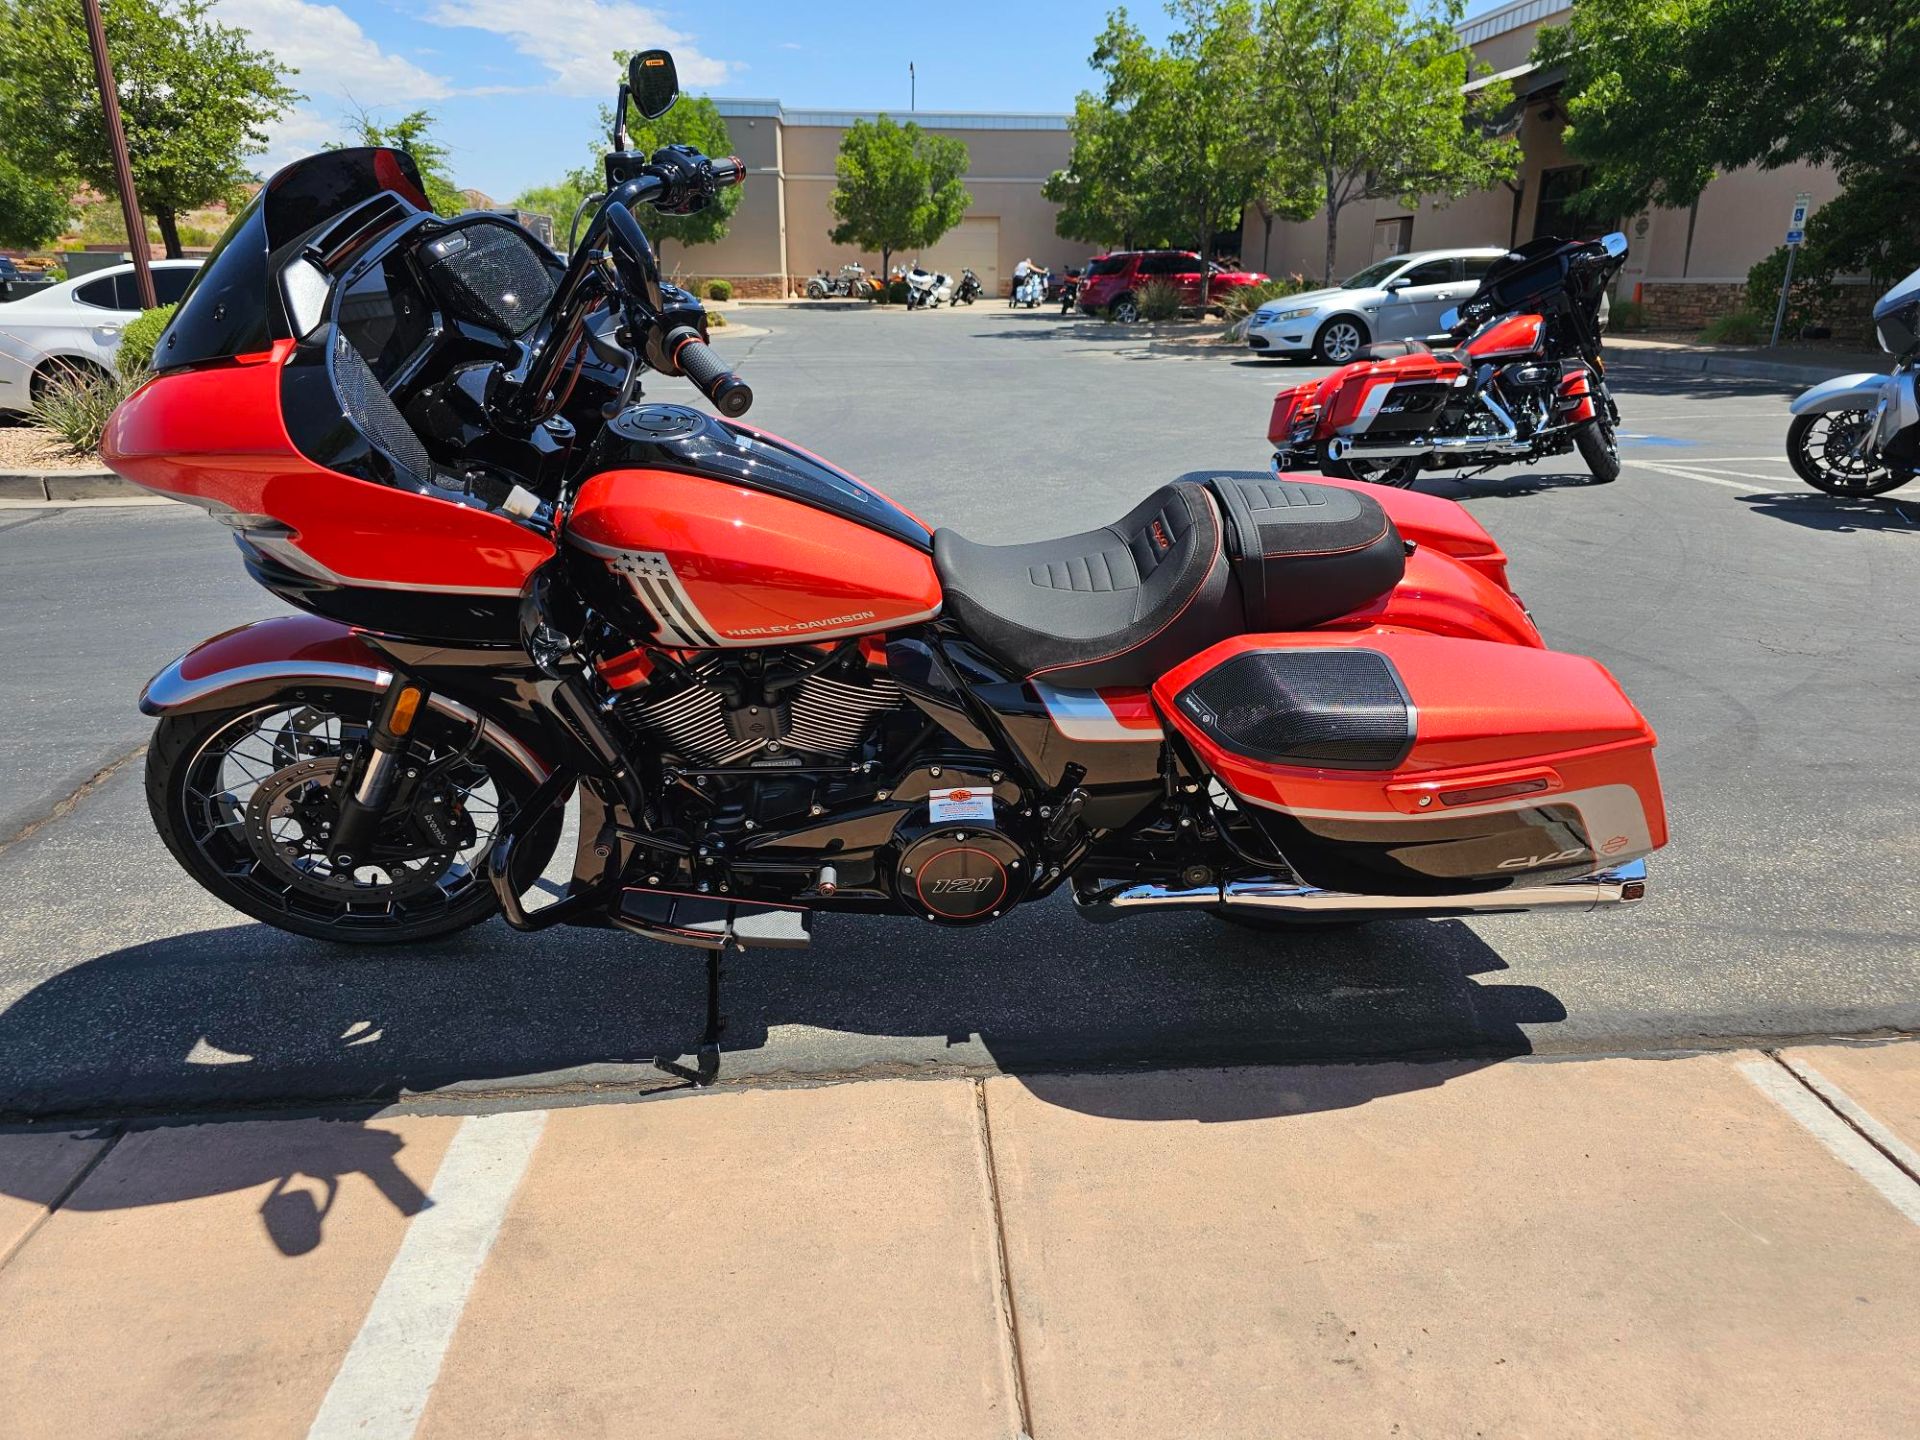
(1713, 1245)
(1798, 365)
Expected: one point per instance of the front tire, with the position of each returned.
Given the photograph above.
(1818, 446)
(1339, 340)
(240, 798)
(1594, 440)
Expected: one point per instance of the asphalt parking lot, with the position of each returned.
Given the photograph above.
(1767, 631)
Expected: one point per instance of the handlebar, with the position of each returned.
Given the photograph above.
(730, 395)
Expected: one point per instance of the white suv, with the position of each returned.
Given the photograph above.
(75, 326)
(1399, 298)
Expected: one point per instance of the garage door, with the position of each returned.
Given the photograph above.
(973, 244)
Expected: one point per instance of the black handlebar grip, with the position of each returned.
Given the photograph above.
(729, 171)
(730, 395)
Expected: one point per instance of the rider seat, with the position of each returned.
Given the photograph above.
(1191, 565)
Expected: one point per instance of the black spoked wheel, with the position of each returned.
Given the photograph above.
(1396, 472)
(1595, 442)
(245, 800)
(1821, 448)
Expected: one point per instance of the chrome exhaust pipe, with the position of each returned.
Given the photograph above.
(1507, 442)
(1620, 885)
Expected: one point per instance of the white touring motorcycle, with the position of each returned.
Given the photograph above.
(1860, 434)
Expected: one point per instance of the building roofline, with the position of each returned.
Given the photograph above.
(746, 107)
(1516, 16)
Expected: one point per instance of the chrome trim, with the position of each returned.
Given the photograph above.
(170, 690)
(1506, 443)
(1622, 884)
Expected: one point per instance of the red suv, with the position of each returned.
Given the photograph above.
(1113, 282)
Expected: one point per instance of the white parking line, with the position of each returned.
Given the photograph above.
(1845, 1143)
(382, 1385)
(1903, 1153)
(1741, 485)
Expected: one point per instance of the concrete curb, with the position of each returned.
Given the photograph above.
(56, 485)
(1732, 367)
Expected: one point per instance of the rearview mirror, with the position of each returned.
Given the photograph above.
(1450, 317)
(1614, 244)
(653, 83)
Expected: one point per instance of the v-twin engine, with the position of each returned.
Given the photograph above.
(823, 716)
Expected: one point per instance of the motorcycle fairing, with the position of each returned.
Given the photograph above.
(1376, 762)
(214, 436)
(1508, 336)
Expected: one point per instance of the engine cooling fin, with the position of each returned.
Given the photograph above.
(823, 716)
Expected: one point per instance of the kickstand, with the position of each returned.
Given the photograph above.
(707, 1067)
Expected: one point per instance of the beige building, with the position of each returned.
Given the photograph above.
(1686, 265)
(778, 236)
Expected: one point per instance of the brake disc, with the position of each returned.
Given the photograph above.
(287, 824)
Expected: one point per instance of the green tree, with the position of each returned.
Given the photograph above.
(1106, 194)
(1370, 93)
(1661, 97)
(413, 133)
(194, 95)
(561, 199)
(898, 187)
(32, 211)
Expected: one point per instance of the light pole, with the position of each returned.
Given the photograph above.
(122, 164)
(913, 89)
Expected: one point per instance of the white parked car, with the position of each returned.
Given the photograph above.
(1399, 298)
(75, 324)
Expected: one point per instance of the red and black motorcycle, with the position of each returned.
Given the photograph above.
(1524, 382)
(761, 689)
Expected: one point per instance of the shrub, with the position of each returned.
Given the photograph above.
(139, 338)
(1248, 298)
(719, 289)
(896, 293)
(1627, 316)
(716, 319)
(1742, 327)
(1159, 300)
(77, 405)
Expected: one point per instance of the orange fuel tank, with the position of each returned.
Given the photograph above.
(716, 563)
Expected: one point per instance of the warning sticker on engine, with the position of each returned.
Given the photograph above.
(947, 805)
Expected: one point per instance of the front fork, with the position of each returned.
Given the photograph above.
(371, 784)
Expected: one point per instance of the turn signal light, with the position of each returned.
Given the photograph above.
(406, 705)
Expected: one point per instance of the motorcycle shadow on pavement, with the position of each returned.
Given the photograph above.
(1815, 511)
(223, 1023)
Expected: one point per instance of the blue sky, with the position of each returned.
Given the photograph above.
(516, 84)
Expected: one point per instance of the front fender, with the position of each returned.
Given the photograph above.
(257, 661)
(1843, 392)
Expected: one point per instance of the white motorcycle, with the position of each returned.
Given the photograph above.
(1860, 434)
(927, 289)
(1030, 290)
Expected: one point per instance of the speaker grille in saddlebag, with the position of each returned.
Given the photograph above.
(1336, 709)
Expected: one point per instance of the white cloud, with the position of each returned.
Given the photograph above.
(294, 136)
(332, 53)
(575, 39)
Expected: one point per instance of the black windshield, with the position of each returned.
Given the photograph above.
(234, 306)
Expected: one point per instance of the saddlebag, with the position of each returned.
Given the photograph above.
(1303, 554)
(1386, 763)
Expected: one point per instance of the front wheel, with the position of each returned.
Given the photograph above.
(1339, 340)
(1821, 448)
(1595, 442)
(245, 799)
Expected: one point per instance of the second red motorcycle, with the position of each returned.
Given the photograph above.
(1525, 381)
